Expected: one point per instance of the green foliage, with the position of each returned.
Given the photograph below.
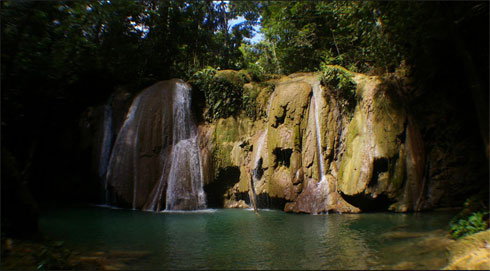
(340, 82)
(223, 97)
(256, 72)
(468, 225)
(299, 34)
(269, 85)
(249, 101)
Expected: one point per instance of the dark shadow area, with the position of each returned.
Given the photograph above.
(258, 172)
(282, 157)
(198, 103)
(369, 204)
(379, 165)
(266, 202)
(263, 201)
(227, 177)
(280, 119)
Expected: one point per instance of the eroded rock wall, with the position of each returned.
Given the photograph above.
(371, 159)
(303, 152)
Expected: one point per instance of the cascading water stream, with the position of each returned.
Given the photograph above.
(126, 136)
(105, 152)
(260, 145)
(185, 180)
(256, 161)
(106, 147)
(155, 161)
(322, 188)
(316, 101)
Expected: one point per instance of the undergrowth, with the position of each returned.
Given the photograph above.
(223, 98)
(342, 85)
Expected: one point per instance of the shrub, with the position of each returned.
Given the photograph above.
(341, 84)
(468, 225)
(249, 103)
(223, 97)
(256, 72)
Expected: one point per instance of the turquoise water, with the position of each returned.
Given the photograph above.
(239, 239)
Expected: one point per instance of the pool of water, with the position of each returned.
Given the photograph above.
(239, 239)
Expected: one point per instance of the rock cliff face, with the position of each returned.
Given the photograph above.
(316, 159)
(305, 152)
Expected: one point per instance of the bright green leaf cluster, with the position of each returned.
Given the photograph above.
(469, 225)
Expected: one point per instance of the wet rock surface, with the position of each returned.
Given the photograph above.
(305, 149)
(376, 153)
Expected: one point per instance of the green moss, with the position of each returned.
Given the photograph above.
(353, 132)
(396, 179)
(221, 156)
(226, 130)
(245, 76)
(243, 183)
(354, 156)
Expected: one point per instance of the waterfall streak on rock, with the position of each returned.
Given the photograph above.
(185, 179)
(256, 164)
(106, 139)
(156, 154)
(125, 137)
(316, 99)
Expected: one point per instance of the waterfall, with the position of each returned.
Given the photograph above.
(155, 161)
(263, 136)
(185, 180)
(125, 137)
(322, 187)
(316, 99)
(105, 151)
(260, 145)
(256, 161)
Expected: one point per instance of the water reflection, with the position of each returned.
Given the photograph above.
(238, 239)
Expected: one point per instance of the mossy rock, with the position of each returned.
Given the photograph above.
(232, 76)
(227, 130)
(389, 123)
(374, 134)
(281, 185)
(288, 109)
(244, 179)
(289, 103)
(353, 169)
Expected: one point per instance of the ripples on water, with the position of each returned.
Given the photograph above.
(239, 239)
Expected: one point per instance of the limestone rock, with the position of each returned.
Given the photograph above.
(470, 253)
(205, 133)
